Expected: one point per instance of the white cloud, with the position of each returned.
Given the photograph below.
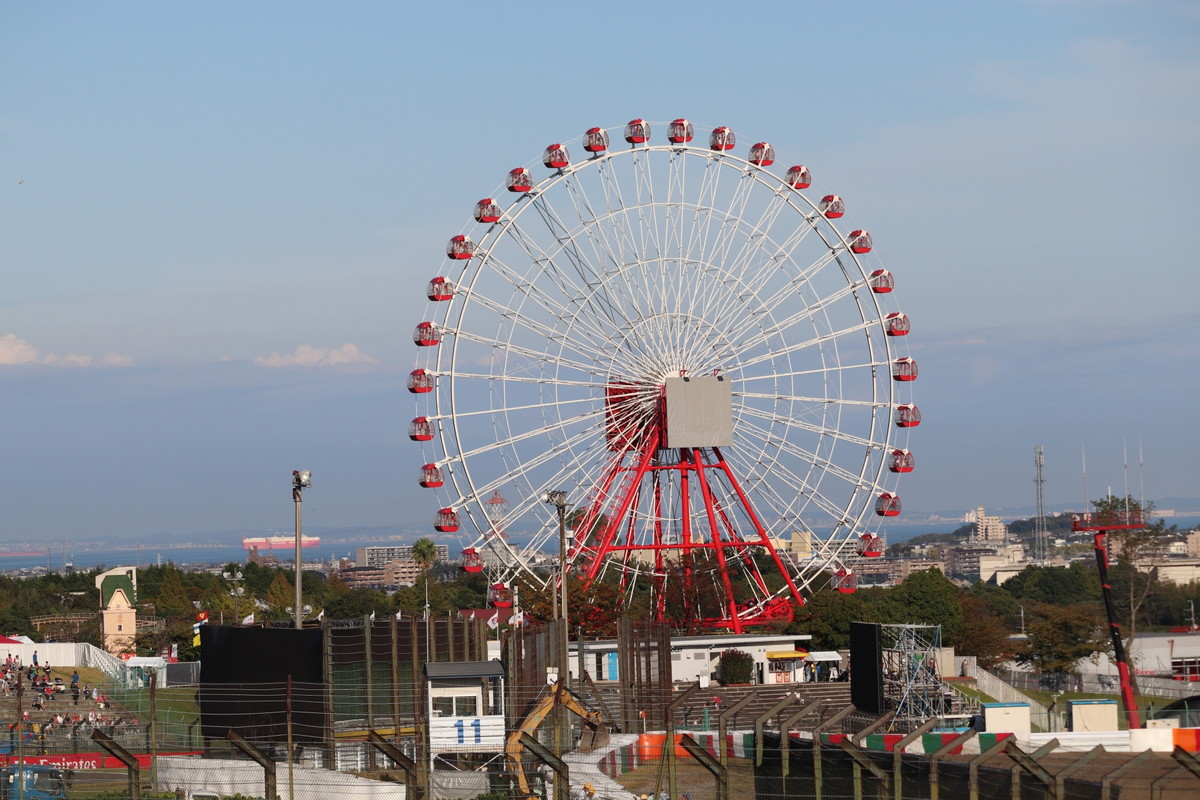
(308, 356)
(117, 360)
(69, 360)
(15, 351)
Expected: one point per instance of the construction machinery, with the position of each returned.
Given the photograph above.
(594, 733)
(33, 782)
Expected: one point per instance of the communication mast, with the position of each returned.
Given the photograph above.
(1039, 522)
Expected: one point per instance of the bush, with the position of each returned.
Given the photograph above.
(735, 666)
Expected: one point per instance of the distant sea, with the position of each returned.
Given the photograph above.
(189, 556)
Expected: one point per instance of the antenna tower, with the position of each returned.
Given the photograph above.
(1039, 522)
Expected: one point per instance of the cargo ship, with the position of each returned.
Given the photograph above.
(279, 542)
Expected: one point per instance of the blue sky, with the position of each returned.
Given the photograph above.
(217, 221)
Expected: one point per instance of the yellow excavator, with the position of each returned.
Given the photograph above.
(593, 735)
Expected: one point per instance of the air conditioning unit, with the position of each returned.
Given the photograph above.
(1168, 722)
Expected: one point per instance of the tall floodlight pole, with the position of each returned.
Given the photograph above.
(301, 480)
(558, 499)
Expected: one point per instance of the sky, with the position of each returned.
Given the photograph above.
(217, 221)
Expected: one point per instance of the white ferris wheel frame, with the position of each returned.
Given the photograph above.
(565, 240)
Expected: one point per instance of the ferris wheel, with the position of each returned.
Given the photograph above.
(679, 340)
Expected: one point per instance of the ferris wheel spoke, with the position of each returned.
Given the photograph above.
(733, 226)
(527, 470)
(521, 285)
(675, 219)
(545, 327)
(753, 254)
(703, 211)
(737, 318)
(800, 346)
(862, 367)
(596, 228)
(831, 433)
(616, 215)
(558, 404)
(826, 466)
(788, 293)
(800, 399)
(590, 274)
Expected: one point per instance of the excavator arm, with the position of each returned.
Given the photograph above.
(594, 733)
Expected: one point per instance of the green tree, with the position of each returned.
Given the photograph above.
(982, 633)
(1062, 586)
(735, 666)
(827, 615)
(424, 552)
(281, 595)
(412, 598)
(172, 600)
(925, 598)
(356, 603)
(1060, 637)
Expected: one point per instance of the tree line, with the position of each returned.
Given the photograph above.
(1058, 608)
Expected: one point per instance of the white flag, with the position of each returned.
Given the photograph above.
(248, 620)
(398, 613)
(494, 620)
(517, 618)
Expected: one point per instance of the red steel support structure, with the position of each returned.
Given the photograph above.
(718, 531)
(1101, 525)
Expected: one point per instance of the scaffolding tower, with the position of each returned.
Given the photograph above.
(912, 683)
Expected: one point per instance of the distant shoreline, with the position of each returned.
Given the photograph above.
(190, 554)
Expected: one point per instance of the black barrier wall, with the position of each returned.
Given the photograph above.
(244, 678)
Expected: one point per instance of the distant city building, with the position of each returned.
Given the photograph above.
(963, 562)
(253, 556)
(987, 529)
(801, 544)
(890, 571)
(1002, 564)
(402, 573)
(363, 577)
(1181, 571)
(379, 555)
(1193, 544)
(907, 566)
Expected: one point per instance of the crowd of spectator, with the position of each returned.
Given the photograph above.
(51, 706)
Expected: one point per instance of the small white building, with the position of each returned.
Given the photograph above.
(777, 658)
(465, 707)
(1167, 654)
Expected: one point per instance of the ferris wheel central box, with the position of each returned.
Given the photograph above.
(699, 411)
